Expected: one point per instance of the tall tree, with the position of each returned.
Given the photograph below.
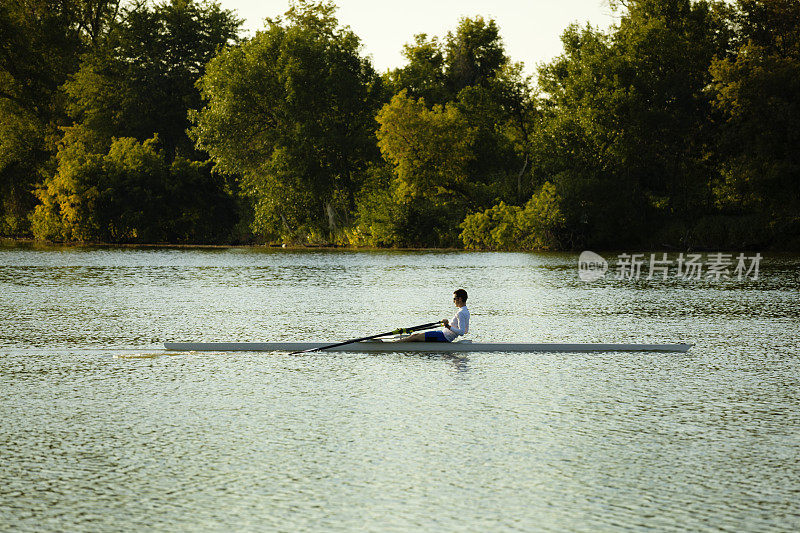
(142, 80)
(292, 111)
(437, 70)
(137, 85)
(758, 93)
(424, 74)
(456, 134)
(475, 54)
(626, 135)
(40, 45)
(132, 193)
(431, 149)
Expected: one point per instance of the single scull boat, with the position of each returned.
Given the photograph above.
(458, 346)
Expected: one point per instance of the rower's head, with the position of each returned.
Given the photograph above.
(460, 298)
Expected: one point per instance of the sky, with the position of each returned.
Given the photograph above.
(530, 29)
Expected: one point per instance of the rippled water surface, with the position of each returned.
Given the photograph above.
(102, 430)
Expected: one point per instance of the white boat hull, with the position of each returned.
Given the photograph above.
(458, 346)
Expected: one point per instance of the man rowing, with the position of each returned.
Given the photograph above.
(456, 327)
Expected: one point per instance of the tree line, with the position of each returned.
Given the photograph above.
(143, 122)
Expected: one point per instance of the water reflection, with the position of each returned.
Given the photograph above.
(461, 364)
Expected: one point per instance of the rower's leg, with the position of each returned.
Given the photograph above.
(414, 337)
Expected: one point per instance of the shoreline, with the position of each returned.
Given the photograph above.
(10, 241)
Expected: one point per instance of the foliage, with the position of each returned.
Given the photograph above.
(431, 149)
(424, 75)
(439, 158)
(387, 216)
(141, 81)
(111, 72)
(201, 205)
(40, 46)
(40, 43)
(292, 112)
(470, 70)
(22, 159)
(535, 226)
(378, 217)
(626, 125)
(438, 70)
(676, 126)
(757, 90)
(456, 132)
(95, 197)
(129, 194)
(132, 87)
(475, 54)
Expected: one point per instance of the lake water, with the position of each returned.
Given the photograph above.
(102, 430)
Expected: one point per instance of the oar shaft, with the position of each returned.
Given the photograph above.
(396, 331)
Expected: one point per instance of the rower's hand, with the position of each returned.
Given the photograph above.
(446, 323)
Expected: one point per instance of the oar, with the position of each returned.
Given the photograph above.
(395, 332)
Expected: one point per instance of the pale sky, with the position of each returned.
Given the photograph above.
(530, 29)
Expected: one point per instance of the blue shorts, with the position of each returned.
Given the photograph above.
(435, 336)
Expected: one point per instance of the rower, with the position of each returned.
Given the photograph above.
(459, 325)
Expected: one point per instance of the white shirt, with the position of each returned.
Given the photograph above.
(459, 324)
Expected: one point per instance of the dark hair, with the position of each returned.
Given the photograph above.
(461, 293)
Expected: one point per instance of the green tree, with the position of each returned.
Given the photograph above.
(23, 159)
(475, 54)
(137, 84)
(431, 149)
(431, 152)
(437, 70)
(131, 193)
(40, 43)
(537, 225)
(141, 81)
(625, 135)
(113, 197)
(757, 90)
(424, 75)
(387, 217)
(457, 133)
(291, 112)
